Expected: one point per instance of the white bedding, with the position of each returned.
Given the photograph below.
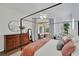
(49, 49)
(76, 41)
(76, 52)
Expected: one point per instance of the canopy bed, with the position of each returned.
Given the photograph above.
(48, 46)
(21, 27)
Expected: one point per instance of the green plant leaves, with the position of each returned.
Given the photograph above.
(66, 27)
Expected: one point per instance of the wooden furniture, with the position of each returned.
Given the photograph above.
(13, 41)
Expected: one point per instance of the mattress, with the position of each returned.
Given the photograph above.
(49, 49)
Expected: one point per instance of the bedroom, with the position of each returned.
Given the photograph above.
(38, 30)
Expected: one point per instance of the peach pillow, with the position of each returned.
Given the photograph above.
(68, 48)
(67, 40)
(65, 37)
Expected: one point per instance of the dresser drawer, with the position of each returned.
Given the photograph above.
(13, 41)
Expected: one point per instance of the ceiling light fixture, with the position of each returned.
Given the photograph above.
(43, 16)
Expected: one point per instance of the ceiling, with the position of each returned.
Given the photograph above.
(62, 11)
(26, 8)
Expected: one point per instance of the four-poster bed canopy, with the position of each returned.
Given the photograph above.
(23, 18)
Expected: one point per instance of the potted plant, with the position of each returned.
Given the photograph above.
(66, 27)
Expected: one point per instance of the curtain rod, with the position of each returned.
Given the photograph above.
(41, 10)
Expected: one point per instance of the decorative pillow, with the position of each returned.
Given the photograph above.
(66, 39)
(60, 45)
(68, 48)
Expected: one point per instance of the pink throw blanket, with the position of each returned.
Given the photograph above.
(30, 49)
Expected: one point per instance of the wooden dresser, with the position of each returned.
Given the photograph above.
(13, 41)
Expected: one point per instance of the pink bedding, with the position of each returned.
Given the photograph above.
(30, 49)
(68, 48)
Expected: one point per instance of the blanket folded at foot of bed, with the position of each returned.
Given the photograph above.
(31, 48)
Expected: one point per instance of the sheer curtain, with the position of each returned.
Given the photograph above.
(51, 27)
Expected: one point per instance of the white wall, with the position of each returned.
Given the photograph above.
(6, 15)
